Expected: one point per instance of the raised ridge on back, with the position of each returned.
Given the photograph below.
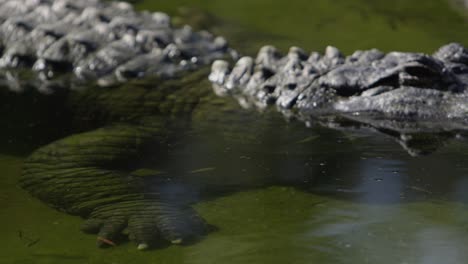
(104, 41)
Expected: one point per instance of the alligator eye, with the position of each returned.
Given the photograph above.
(460, 69)
(420, 71)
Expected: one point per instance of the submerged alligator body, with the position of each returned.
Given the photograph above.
(56, 45)
(88, 174)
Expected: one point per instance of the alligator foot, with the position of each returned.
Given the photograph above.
(145, 222)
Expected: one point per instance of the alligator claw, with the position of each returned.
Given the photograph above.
(145, 223)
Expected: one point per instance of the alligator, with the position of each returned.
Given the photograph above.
(95, 41)
(155, 84)
(399, 91)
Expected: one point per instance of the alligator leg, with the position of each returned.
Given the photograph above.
(77, 175)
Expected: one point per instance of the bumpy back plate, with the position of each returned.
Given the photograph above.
(371, 86)
(94, 40)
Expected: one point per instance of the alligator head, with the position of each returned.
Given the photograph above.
(426, 93)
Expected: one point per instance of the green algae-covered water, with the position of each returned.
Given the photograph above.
(312, 196)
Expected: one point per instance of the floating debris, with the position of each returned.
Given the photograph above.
(27, 240)
(147, 172)
(203, 170)
(105, 241)
(420, 189)
(308, 139)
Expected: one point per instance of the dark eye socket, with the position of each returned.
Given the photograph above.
(459, 69)
(420, 71)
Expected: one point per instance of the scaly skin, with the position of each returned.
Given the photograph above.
(73, 43)
(368, 86)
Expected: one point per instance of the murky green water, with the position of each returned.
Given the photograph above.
(290, 195)
(407, 25)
